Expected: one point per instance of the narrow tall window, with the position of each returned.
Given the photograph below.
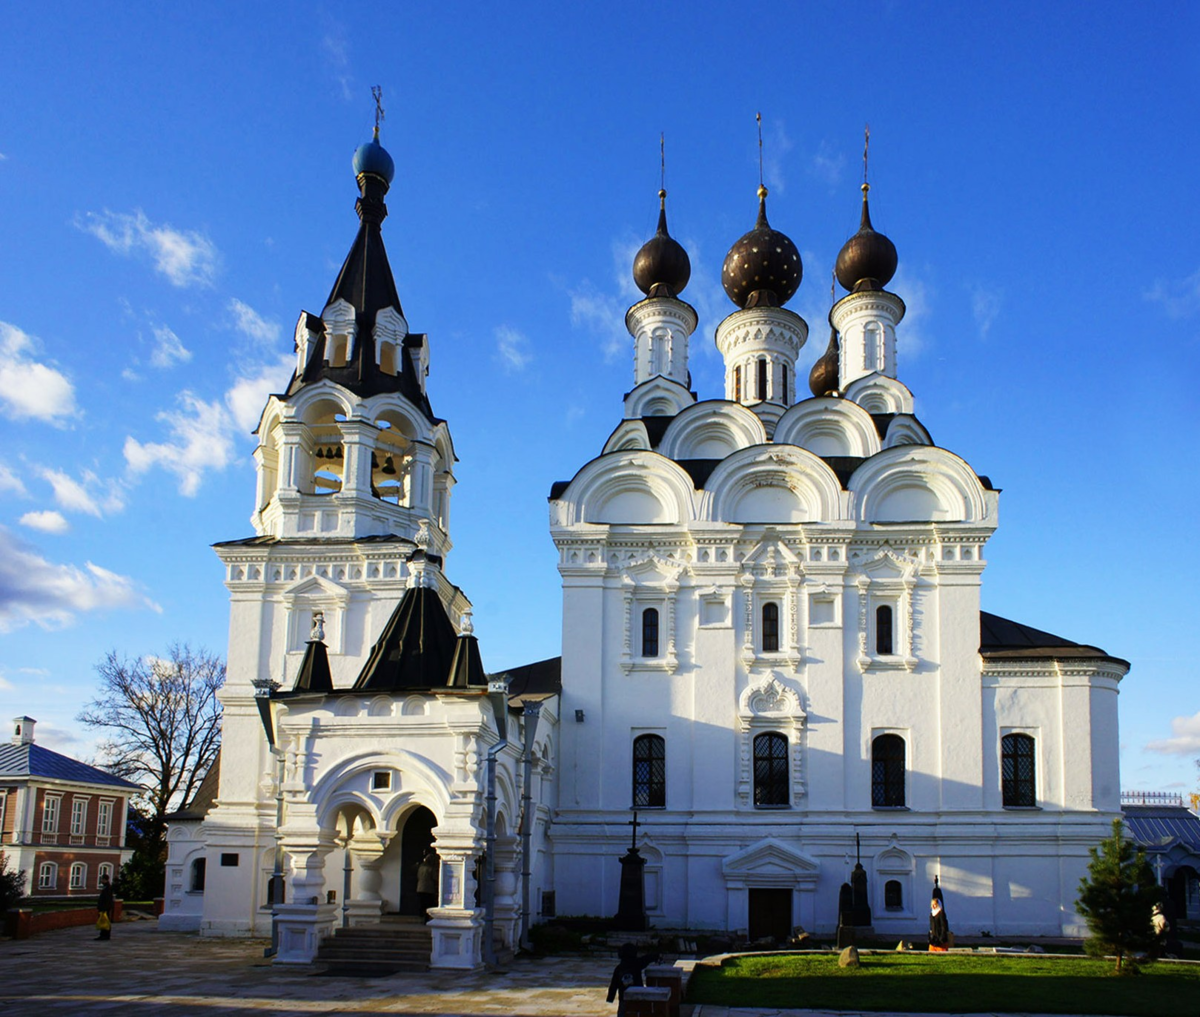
(48, 876)
(737, 384)
(78, 817)
(78, 876)
(770, 628)
(649, 772)
(887, 772)
(883, 630)
(770, 770)
(104, 820)
(650, 632)
(762, 378)
(893, 895)
(105, 869)
(199, 866)
(784, 383)
(50, 814)
(1017, 772)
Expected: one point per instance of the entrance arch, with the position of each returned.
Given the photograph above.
(415, 833)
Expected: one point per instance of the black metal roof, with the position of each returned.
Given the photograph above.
(33, 760)
(314, 674)
(538, 680)
(1002, 639)
(206, 794)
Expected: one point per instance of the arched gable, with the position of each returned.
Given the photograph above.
(628, 488)
(829, 427)
(658, 397)
(712, 429)
(322, 403)
(914, 483)
(877, 393)
(423, 782)
(773, 484)
(628, 436)
(905, 429)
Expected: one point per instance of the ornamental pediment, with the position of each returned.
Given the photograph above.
(652, 569)
(769, 857)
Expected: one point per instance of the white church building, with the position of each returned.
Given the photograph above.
(772, 644)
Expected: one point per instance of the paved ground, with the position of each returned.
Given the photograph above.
(142, 972)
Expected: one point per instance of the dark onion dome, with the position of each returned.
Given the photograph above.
(763, 269)
(372, 157)
(662, 267)
(867, 261)
(823, 378)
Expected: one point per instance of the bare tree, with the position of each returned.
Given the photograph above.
(163, 724)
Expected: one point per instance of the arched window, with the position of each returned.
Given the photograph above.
(1017, 772)
(105, 869)
(649, 772)
(199, 866)
(770, 770)
(48, 876)
(650, 632)
(893, 895)
(883, 630)
(887, 772)
(770, 628)
(737, 384)
(762, 378)
(78, 876)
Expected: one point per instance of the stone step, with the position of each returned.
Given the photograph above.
(366, 950)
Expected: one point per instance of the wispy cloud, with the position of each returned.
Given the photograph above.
(985, 305)
(90, 495)
(199, 440)
(168, 348)
(829, 165)
(30, 389)
(248, 395)
(513, 352)
(776, 146)
(35, 590)
(252, 324)
(48, 521)
(10, 483)
(911, 337)
(336, 48)
(185, 257)
(1184, 740)
(603, 312)
(1180, 298)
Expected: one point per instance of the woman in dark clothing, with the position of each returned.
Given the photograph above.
(104, 905)
(627, 973)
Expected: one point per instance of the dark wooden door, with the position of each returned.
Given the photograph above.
(415, 836)
(770, 914)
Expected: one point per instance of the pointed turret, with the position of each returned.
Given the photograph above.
(314, 674)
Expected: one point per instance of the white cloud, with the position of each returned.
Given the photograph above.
(47, 522)
(168, 348)
(185, 257)
(90, 495)
(1180, 298)
(604, 313)
(829, 165)
(10, 482)
(775, 147)
(512, 350)
(252, 324)
(1184, 740)
(29, 389)
(337, 59)
(911, 338)
(200, 440)
(985, 305)
(35, 590)
(248, 395)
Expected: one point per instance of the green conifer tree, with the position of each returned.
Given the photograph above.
(1117, 898)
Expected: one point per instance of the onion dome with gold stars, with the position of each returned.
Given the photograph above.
(662, 267)
(867, 261)
(763, 269)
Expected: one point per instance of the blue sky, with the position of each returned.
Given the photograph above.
(175, 187)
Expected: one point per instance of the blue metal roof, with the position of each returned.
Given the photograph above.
(1160, 826)
(33, 760)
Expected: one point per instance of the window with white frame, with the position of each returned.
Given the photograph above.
(48, 876)
(105, 870)
(78, 876)
(50, 807)
(78, 816)
(104, 819)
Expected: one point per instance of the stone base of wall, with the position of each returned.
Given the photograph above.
(21, 923)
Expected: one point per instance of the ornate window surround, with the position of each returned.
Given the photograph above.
(887, 579)
(773, 573)
(652, 581)
(769, 705)
(315, 593)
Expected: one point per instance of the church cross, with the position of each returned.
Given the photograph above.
(634, 823)
(377, 95)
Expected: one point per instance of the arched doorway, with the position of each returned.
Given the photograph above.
(1184, 893)
(416, 834)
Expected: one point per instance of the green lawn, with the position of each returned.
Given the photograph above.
(949, 983)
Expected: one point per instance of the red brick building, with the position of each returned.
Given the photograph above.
(61, 820)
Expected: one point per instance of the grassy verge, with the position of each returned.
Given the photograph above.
(952, 983)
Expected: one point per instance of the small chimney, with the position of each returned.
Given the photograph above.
(23, 730)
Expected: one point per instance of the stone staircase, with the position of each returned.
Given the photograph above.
(396, 943)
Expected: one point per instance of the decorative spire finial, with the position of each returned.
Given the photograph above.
(466, 626)
(318, 627)
(377, 95)
(762, 191)
(866, 145)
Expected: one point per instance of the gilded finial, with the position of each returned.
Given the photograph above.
(377, 95)
(762, 191)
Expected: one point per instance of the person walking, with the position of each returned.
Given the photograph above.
(104, 905)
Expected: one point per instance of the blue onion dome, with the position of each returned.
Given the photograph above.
(373, 158)
(763, 269)
(867, 261)
(662, 267)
